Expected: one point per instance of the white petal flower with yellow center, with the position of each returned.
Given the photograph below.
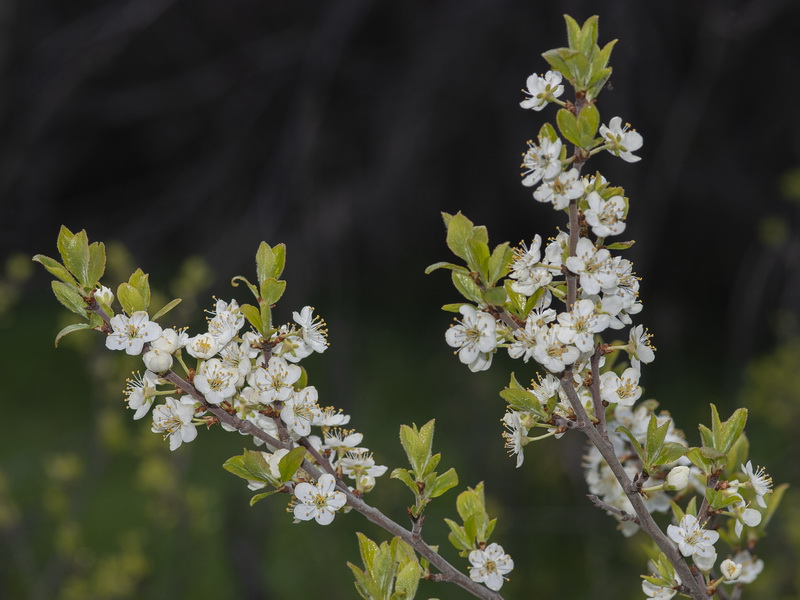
(580, 324)
(593, 266)
(301, 410)
(560, 190)
(624, 390)
(620, 140)
(141, 392)
(318, 501)
(759, 481)
(312, 328)
(542, 90)
(132, 333)
(216, 381)
(475, 336)
(490, 565)
(174, 420)
(202, 346)
(541, 162)
(275, 382)
(692, 538)
(606, 217)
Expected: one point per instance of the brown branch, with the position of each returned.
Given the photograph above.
(624, 516)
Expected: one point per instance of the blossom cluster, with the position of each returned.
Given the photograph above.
(558, 297)
(256, 378)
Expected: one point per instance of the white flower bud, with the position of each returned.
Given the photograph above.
(157, 360)
(104, 295)
(705, 563)
(678, 478)
(730, 570)
(168, 342)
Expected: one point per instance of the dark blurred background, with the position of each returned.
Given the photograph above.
(342, 128)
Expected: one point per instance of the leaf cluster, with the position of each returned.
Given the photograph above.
(252, 466)
(476, 528)
(270, 262)
(422, 479)
(391, 570)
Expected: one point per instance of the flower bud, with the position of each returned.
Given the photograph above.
(104, 295)
(705, 563)
(678, 478)
(157, 360)
(168, 342)
(730, 570)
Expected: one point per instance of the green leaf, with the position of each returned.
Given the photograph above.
(479, 258)
(256, 464)
(732, 429)
(253, 316)
(470, 503)
(573, 32)
(568, 125)
(588, 123)
(459, 231)
(495, 296)
(167, 307)
(620, 245)
(670, 452)
(272, 290)
(368, 550)
(265, 261)
(443, 482)
(655, 438)
(705, 435)
(141, 281)
(468, 288)
(383, 569)
(365, 587)
(458, 537)
(716, 427)
(235, 465)
(547, 131)
(97, 263)
(76, 258)
(522, 399)
(636, 445)
(453, 308)
(288, 465)
(445, 265)
(130, 298)
(64, 238)
(737, 455)
(556, 60)
(677, 511)
(69, 297)
(711, 453)
(404, 475)
(588, 36)
(407, 581)
(696, 457)
(69, 329)
(691, 508)
(56, 268)
(235, 283)
(261, 496)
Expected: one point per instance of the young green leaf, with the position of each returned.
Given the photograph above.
(288, 465)
(69, 297)
(69, 329)
(56, 268)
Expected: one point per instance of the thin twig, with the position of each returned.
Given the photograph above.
(624, 516)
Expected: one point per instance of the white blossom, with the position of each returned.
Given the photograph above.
(174, 420)
(606, 217)
(580, 324)
(301, 410)
(730, 570)
(132, 333)
(516, 435)
(692, 538)
(750, 568)
(542, 90)
(275, 382)
(623, 390)
(318, 501)
(542, 161)
(593, 266)
(759, 481)
(475, 336)
(621, 141)
(560, 190)
(202, 346)
(312, 328)
(141, 391)
(490, 565)
(216, 381)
